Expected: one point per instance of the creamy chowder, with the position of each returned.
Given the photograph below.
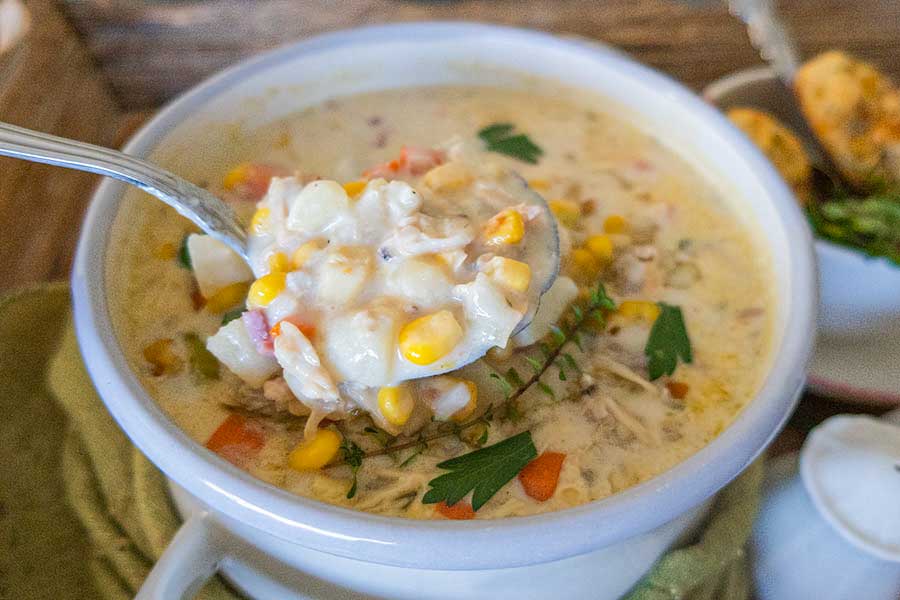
(373, 214)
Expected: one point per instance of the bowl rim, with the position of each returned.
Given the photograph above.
(404, 542)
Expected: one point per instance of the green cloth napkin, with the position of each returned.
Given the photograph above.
(83, 514)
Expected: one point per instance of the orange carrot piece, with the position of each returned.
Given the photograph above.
(540, 477)
(678, 389)
(236, 439)
(461, 511)
(306, 329)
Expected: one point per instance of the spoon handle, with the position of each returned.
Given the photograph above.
(769, 35)
(208, 212)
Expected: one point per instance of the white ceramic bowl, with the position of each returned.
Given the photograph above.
(237, 516)
(859, 295)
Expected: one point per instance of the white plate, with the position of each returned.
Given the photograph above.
(858, 350)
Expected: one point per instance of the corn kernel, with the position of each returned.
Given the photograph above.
(506, 227)
(639, 309)
(466, 411)
(448, 176)
(540, 185)
(584, 266)
(396, 403)
(566, 212)
(266, 288)
(429, 338)
(304, 252)
(510, 274)
(260, 221)
(236, 176)
(615, 224)
(601, 246)
(166, 251)
(316, 452)
(227, 297)
(354, 188)
(279, 263)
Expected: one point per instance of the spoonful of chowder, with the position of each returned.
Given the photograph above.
(415, 270)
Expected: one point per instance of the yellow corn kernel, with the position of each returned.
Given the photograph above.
(396, 403)
(639, 309)
(510, 274)
(304, 252)
(601, 246)
(584, 266)
(540, 185)
(166, 251)
(279, 263)
(429, 338)
(236, 176)
(615, 224)
(260, 221)
(567, 212)
(466, 411)
(506, 227)
(448, 176)
(354, 188)
(316, 452)
(227, 297)
(266, 288)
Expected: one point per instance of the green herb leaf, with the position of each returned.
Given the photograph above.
(353, 455)
(204, 366)
(546, 389)
(231, 315)
(506, 385)
(184, 256)
(536, 365)
(482, 472)
(498, 138)
(513, 377)
(408, 460)
(600, 299)
(668, 342)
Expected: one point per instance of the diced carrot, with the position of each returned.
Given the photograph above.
(540, 477)
(414, 160)
(307, 329)
(237, 439)
(678, 389)
(461, 511)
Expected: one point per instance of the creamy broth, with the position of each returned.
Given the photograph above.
(674, 240)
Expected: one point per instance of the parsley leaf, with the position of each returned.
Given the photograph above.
(353, 455)
(668, 342)
(231, 315)
(483, 471)
(498, 138)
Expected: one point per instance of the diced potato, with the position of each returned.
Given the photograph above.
(449, 397)
(509, 274)
(215, 265)
(302, 254)
(318, 206)
(448, 176)
(423, 280)
(554, 302)
(234, 349)
(343, 274)
(369, 359)
(484, 303)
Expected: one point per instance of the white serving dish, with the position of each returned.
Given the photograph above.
(859, 311)
(273, 544)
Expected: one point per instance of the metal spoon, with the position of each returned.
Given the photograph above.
(209, 213)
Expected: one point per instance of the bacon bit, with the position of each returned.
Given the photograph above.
(237, 439)
(250, 181)
(306, 329)
(258, 329)
(197, 300)
(461, 511)
(678, 389)
(540, 477)
(643, 164)
(588, 207)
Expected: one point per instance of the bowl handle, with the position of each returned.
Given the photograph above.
(190, 560)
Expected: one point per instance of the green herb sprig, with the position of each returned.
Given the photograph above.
(482, 472)
(667, 343)
(499, 138)
(352, 456)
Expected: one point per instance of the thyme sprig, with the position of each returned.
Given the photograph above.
(550, 353)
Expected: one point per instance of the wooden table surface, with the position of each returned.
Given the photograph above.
(94, 69)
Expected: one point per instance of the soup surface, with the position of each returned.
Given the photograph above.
(651, 341)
